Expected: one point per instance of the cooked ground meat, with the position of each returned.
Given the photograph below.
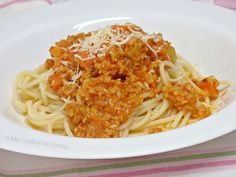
(184, 97)
(110, 86)
(209, 85)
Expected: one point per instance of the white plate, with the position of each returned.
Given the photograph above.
(204, 34)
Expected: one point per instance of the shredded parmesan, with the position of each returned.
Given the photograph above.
(65, 62)
(101, 40)
(75, 77)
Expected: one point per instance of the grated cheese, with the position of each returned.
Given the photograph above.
(65, 62)
(75, 77)
(101, 40)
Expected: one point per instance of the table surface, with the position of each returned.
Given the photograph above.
(214, 158)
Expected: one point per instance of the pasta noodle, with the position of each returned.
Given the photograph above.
(177, 95)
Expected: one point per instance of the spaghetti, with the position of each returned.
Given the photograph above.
(117, 81)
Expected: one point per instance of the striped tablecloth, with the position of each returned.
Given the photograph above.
(216, 158)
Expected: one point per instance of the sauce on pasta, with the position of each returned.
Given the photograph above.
(114, 82)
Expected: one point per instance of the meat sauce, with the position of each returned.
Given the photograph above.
(110, 87)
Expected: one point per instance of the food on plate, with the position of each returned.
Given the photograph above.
(117, 81)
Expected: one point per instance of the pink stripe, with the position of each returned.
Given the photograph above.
(49, 1)
(20, 1)
(104, 162)
(171, 169)
(226, 3)
(12, 2)
(74, 175)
